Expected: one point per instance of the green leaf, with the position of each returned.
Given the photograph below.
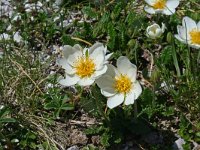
(7, 120)
(67, 107)
(51, 105)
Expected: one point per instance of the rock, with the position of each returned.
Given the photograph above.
(178, 144)
(73, 148)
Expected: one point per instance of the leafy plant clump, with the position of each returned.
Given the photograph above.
(101, 74)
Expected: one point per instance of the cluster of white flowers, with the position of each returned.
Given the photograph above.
(89, 65)
(188, 33)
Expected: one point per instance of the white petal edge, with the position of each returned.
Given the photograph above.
(115, 100)
(168, 11)
(172, 3)
(132, 73)
(68, 80)
(149, 10)
(189, 23)
(123, 64)
(130, 98)
(85, 81)
(64, 64)
(107, 94)
(106, 82)
(98, 57)
(99, 73)
(137, 89)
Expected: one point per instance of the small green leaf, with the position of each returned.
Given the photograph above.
(51, 105)
(7, 120)
(67, 107)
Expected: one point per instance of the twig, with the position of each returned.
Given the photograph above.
(83, 122)
(21, 68)
(81, 40)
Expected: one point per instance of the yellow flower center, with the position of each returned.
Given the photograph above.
(159, 4)
(122, 84)
(195, 36)
(85, 67)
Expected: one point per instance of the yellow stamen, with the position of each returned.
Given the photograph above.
(159, 4)
(123, 84)
(195, 36)
(85, 67)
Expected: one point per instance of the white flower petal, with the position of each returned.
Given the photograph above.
(168, 11)
(198, 25)
(158, 32)
(115, 100)
(64, 64)
(98, 56)
(177, 36)
(77, 47)
(132, 73)
(163, 27)
(106, 83)
(150, 2)
(182, 32)
(194, 46)
(137, 89)
(98, 73)
(72, 58)
(95, 46)
(86, 81)
(172, 3)
(111, 71)
(123, 64)
(68, 80)
(106, 93)
(108, 56)
(68, 50)
(151, 34)
(149, 10)
(189, 24)
(130, 98)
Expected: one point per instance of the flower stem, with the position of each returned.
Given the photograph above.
(135, 110)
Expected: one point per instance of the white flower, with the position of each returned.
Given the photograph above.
(119, 84)
(6, 8)
(166, 7)
(155, 31)
(4, 36)
(29, 7)
(82, 66)
(189, 32)
(17, 37)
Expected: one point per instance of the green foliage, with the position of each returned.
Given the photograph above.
(4, 116)
(55, 101)
(32, 109)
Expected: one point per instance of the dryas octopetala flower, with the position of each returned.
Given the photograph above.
(155, 31)
(166, 7)
(119, 84)
(189, 32)
(83, 66)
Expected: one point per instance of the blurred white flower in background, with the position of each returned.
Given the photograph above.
(166, 7)
(17, 37)
(189, 32)
(119, 84)
(4, 36)
(29, 7)
(6, 8)
(82, 66)
(155, 31)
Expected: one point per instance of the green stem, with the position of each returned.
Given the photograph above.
(175, 60)
(135, 110)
